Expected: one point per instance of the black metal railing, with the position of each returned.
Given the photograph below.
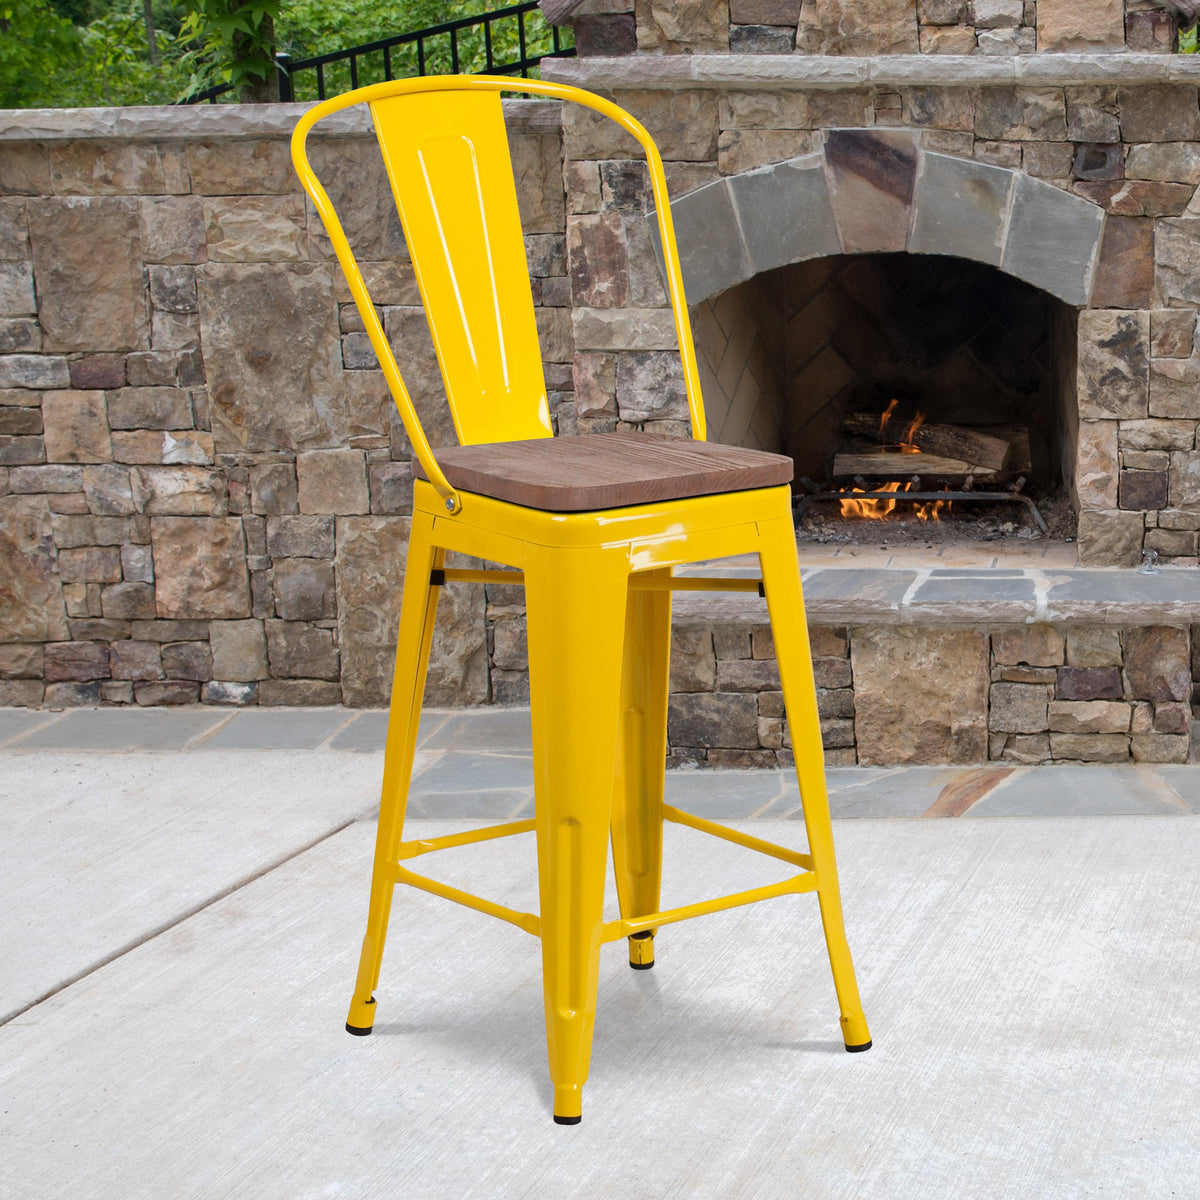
(451, 48)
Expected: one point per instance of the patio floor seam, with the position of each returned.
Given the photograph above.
(236, 886)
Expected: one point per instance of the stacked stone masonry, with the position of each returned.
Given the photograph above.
(911, 694)
(204, 492)
(866, 27)
(204, 489)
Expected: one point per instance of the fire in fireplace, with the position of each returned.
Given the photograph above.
(906, 387)
(948, 461)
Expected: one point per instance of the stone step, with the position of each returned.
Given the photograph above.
(967, 596)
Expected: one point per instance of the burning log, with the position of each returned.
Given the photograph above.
(891, 460)
(1020, 462)
(890, 464)
(970, 450)
(968, 445)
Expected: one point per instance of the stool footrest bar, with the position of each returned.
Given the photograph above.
(795, 857)
(522, 920)
(614, 930)
(465, 838)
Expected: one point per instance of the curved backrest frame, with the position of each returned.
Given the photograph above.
(375, 96)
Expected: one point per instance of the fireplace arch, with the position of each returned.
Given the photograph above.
(877, 191)
(749, 240)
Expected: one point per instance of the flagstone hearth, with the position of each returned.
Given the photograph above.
(963, 664)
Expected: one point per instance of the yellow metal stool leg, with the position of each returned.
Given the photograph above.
(575, 600)
(418, 611)
(781, 580)
(637, 814)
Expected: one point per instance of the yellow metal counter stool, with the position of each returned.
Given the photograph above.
(593, 526)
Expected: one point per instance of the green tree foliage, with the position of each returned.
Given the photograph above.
(35, 44)
(233, 42)
(81, 53)
(311, 27)
(114, 66)
(49, 59)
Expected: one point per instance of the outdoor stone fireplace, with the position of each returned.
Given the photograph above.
(825, 155)
(204, 493)
(948, 157)
(952, 342)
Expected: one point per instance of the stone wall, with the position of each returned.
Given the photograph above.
(865, 27)
(204, 490)
(891, 694)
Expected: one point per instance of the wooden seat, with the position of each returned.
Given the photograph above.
(607, 470)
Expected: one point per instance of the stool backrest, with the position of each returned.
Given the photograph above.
(445, 148)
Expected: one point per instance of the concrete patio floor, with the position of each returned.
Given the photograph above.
(182, 901)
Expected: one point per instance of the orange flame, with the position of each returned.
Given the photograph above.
(906, 443)
(930, 510)
(907, 446)
(877, 509)
(887, 416)
(872, 509)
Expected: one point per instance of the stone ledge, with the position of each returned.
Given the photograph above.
(965, 597)
(213, 121)
(750, 71)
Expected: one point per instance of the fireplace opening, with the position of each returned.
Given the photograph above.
(900, 379)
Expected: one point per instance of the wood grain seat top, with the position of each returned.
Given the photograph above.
(607, 470)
